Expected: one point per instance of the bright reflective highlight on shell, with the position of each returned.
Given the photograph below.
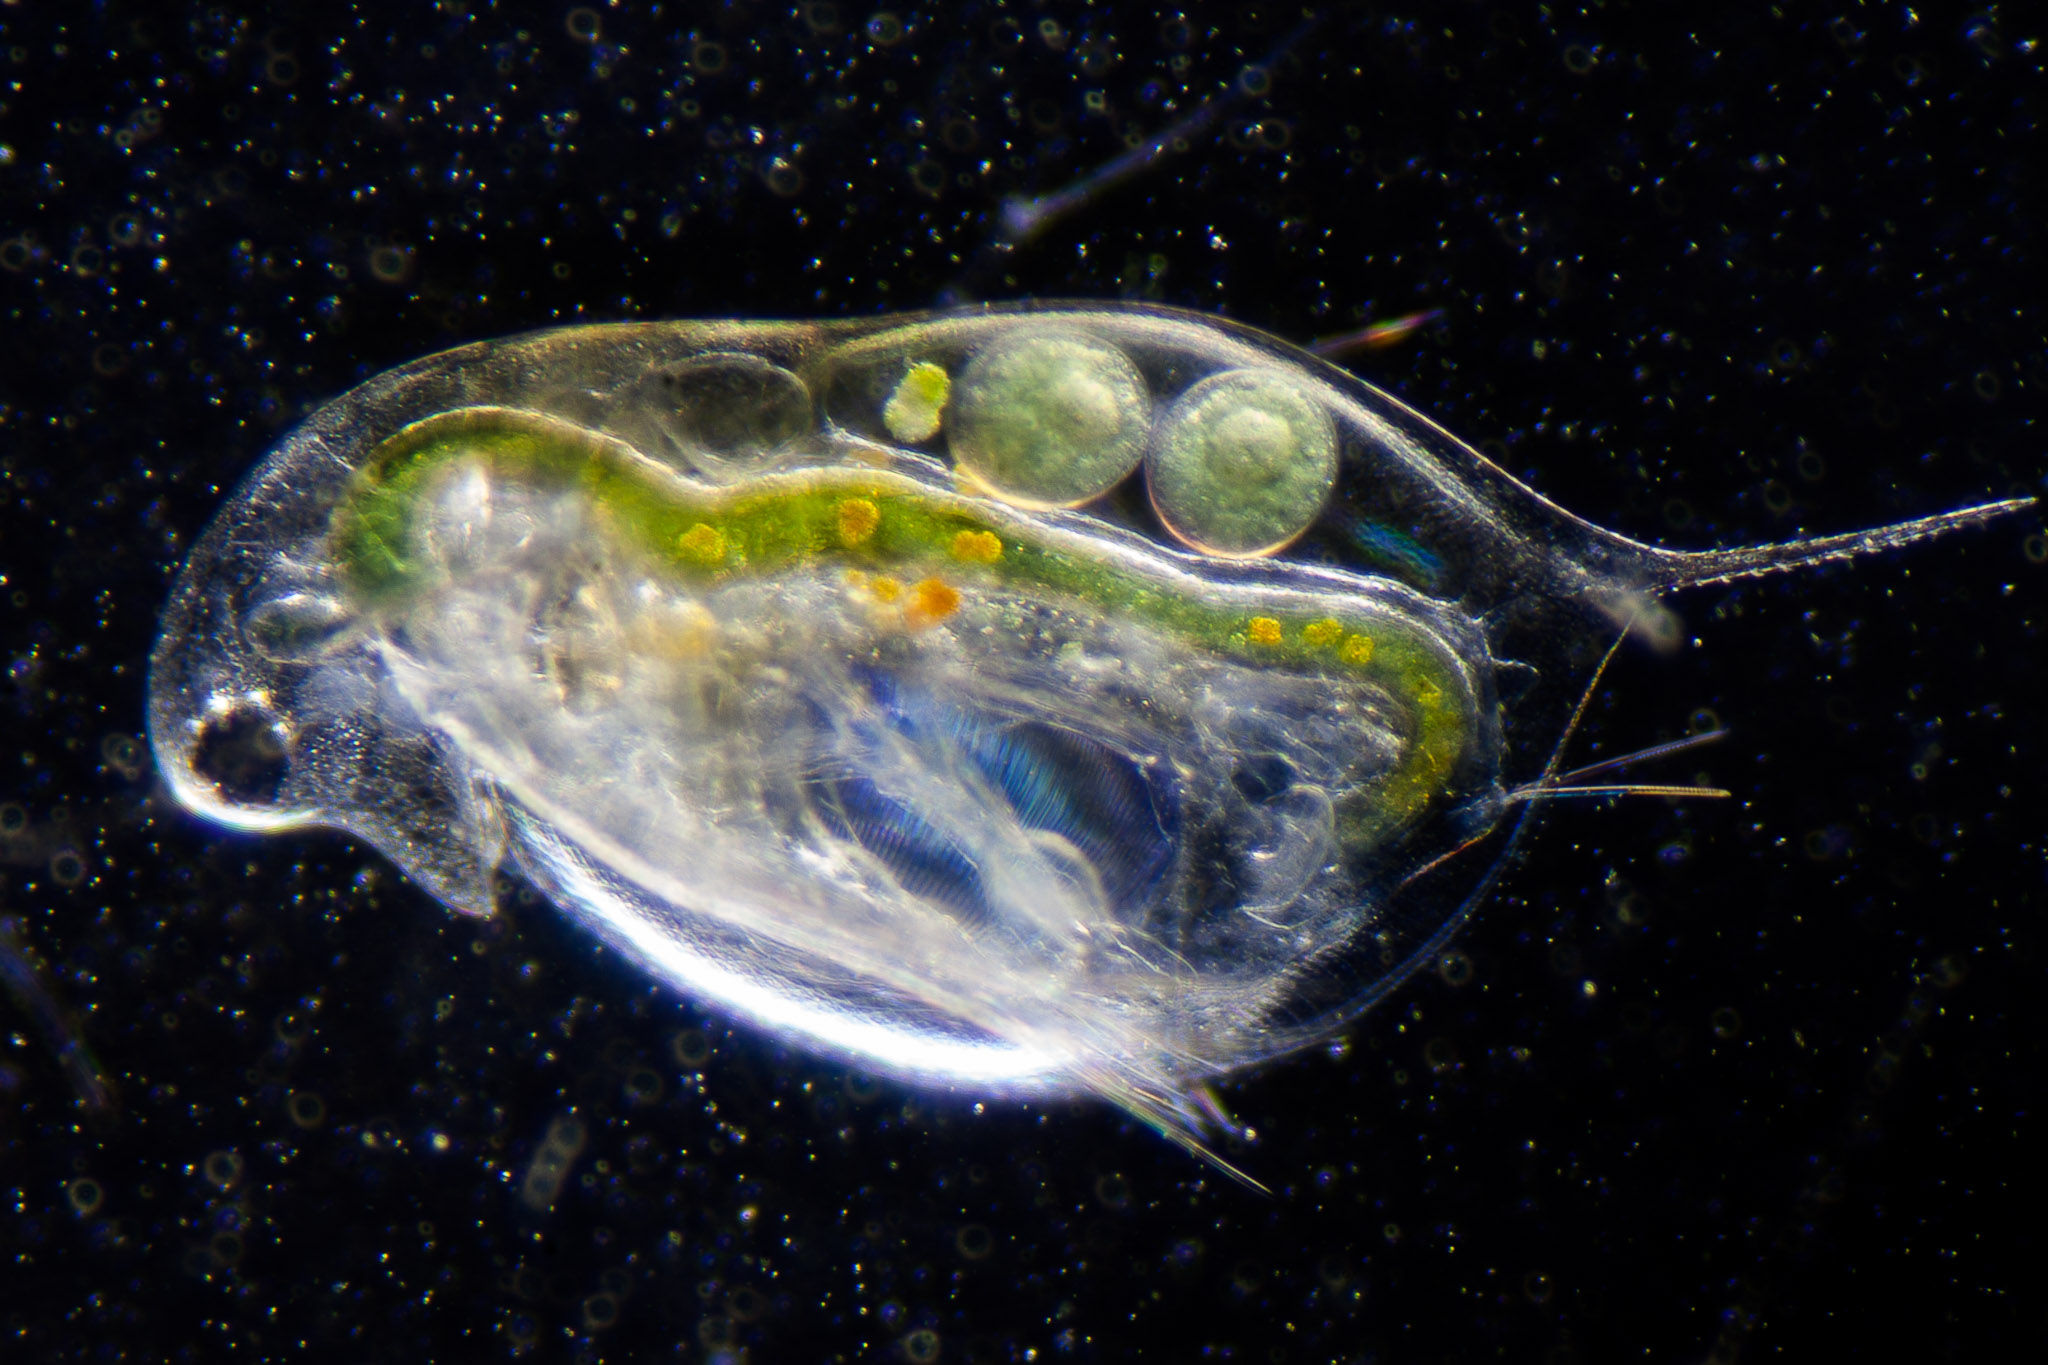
(1074, 698)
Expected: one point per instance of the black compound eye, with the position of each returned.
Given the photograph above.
(242, 754)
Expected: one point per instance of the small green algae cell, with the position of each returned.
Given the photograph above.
(854, 679)
(914, 411)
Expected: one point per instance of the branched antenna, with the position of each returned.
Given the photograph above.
(1550, 786)
(1539, 792)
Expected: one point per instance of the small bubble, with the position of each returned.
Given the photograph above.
(222, 1169)
(306, 1109)
(582, 24)
(599, 1312)
(1726, 1023)
(391, 264)
(67, 867)
(1454, 967)
(974, 1242)
(690, 1048)
(643, 1086)
(884, 28)
(85, 1196)
(921, 1347)
(567, 1134)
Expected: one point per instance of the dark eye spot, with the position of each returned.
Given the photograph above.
(242, 754)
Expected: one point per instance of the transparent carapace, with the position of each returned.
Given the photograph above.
(1092, 698)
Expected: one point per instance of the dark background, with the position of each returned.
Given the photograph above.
(1739, 1078)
